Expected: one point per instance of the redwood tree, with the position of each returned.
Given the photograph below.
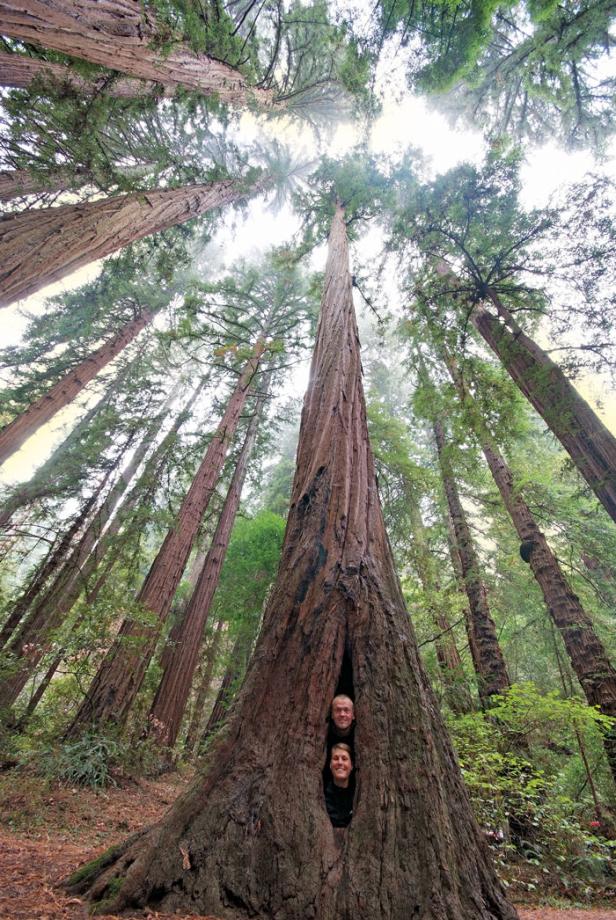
(252, 837)
(13, 435)
(41, 246)
(122, 35)
(487, 656)
(119, 678)
(587, 654)
(171, 697)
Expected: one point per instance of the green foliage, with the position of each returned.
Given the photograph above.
(532, 786)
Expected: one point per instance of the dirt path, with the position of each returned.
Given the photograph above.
(48, 832)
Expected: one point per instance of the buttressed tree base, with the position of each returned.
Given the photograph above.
(252, 838)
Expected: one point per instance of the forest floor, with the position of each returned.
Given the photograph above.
(47, 830)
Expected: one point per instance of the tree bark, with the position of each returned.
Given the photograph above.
(15, 183)
(192, 735)
(39, 246)
(167, 710)
(122, 35)
(591, 446)
(447, 655)
(20, 72)
(13, 435)
(252, 837)
(121, 674)
(51, 565)
(589, 658)
(488, 658)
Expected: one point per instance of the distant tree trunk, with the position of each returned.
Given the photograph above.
(31, 643)
(42, 245)
(123, 35)
(45, 481)
(252, 837)
(13, 435)
(587, 654)
(447, 655)
(20, 72)
(231, 682)
(488, 658)
(192, 735)
(591, 446)
(171, 697)
(121, 674)
(50, 566)
(15, 183)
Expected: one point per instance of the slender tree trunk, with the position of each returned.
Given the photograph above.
(15, 183)
(13, 435)
(42, 245)
(31, 643)
(171, 697)
(588, 657)
(121, 674)
(448, 657)
(50, 566)
(487, 656)
(591, 446)
(21, 72)
(256, 838)
(45, 481)
(123, 35)
(192, 736)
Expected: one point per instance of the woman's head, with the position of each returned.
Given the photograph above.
(341, 764)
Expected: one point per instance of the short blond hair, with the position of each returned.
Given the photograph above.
(341, 746)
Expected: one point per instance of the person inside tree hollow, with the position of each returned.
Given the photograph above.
(340, 788)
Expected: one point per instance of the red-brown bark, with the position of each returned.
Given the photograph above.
(20, 72)
(122, 35)
(167, 709)
(118, 680)
(488, 658)
(15, 183)
(205, 682)
(13, 435)
(591, 446)
(256, 838)
(587, 654)
(40, 246)
(448, 657)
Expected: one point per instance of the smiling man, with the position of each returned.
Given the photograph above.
(340, 789)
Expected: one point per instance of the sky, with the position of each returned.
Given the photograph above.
(405, 121)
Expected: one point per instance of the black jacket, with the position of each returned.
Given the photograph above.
(339, 803)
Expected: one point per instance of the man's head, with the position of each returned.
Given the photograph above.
(342, 714)
(341, 764)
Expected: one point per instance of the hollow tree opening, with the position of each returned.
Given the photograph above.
(252, 837)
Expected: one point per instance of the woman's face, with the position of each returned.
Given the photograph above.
(341, 766)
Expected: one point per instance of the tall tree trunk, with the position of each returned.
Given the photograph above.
(591, 446)
(33, 641)
(42, 245)
(447, 655)
(173, 690)
(53, 562)
(121, 674)
(45, 481)
(123, 35)
(256, 838)
(588, 657)
(193, 733)
(13, 435)
(15, 183)
(20, 72)
(487, 655)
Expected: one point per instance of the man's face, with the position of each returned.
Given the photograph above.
(342, 714)
(341, 767)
